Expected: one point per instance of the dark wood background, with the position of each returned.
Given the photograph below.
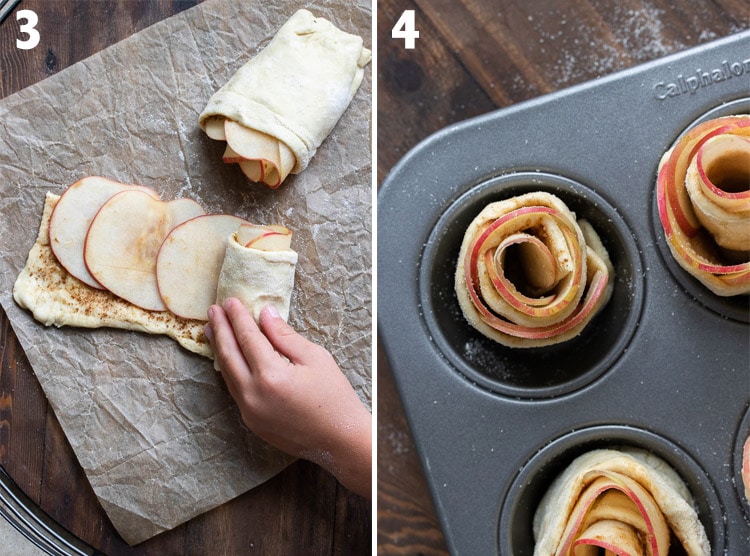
(474, 56)
(303, 510)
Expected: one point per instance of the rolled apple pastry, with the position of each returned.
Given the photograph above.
(703, 195)
(257, 277)
(621, 501)
(529, 274)
(278, 108)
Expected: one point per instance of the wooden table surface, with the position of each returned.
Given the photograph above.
(472, 57)
(303, 510)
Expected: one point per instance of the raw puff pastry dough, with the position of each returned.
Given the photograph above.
(56, 298)
(297, 87)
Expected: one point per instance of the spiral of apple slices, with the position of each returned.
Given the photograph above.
(529, 274)
(703, 197)
(262, 158)
(626, 502)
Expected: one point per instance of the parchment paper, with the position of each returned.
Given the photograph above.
(151, 424)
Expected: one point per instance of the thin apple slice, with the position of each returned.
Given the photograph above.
(609, 501)
(231, 157)
(124, 239)
(250, 144)
(189, 262)
(274, 158)
(272, 241)
(253, 169)
(247, 232)
(215, 128)
(72, 216)
(266, 238)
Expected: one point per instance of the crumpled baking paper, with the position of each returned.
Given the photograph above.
(152, 425)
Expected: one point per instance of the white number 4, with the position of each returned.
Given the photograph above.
(405, 29)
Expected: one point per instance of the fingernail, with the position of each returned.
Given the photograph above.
(209, 333)
(272, 311)
(228, 303)
(211, 311)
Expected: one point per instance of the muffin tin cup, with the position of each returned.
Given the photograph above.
(665, 366)
(515, 535)
(735, 307)
(513, 372)
(743, 434)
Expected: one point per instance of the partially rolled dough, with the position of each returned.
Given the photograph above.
(257, 278)
(56, 298)
(297, 87)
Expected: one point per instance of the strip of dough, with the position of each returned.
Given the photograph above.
(297, 87)
(56, 298)
(257, 278)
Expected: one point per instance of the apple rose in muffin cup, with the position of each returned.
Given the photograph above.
(703, 197)
(625, 501)
(529, 274)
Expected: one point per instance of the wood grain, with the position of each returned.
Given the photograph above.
(301, 510)
(474, 56)
(419, 91)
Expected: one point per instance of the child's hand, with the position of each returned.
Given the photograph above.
(301, 403)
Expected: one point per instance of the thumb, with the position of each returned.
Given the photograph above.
(282, 336)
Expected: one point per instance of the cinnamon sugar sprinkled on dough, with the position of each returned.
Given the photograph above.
(55, 297)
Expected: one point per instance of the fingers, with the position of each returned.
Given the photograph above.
(254, 346)
(226, 350)
(284, 338)
(245, 348)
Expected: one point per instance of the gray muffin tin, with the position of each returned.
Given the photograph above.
(665, 366)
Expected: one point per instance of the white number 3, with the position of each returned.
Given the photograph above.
(405, 28)
(28, 28)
